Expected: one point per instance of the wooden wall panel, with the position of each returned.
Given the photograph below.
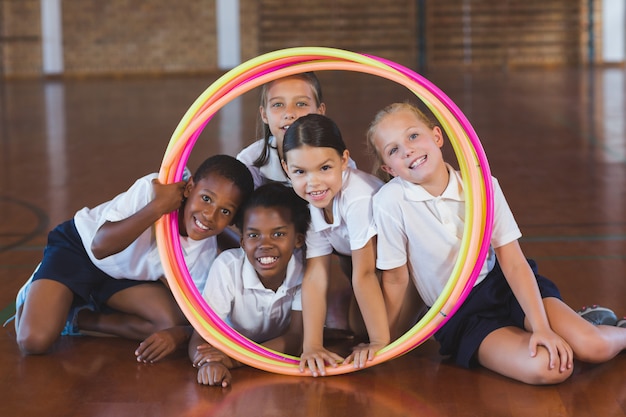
(509, 33)
(139, 37)
(386, 28)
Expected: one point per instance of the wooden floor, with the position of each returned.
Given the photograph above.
(556, 140)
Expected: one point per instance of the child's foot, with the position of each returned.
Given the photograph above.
(598, 315)
(20, 298)
(71, 325)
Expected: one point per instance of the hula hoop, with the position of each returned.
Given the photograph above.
(274, 65)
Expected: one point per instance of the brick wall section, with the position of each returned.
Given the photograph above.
(508, 34)
(20, 38)
(139, 36)
(385, 28)
(126, 37)
(249, 22)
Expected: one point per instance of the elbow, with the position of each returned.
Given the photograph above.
(98, 251)
(364, 277)
(394, 278)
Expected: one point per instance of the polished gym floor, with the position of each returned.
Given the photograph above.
(555, 139)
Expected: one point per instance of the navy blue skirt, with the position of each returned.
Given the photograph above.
(490, 305)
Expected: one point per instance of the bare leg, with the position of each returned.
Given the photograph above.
(507, 352)
(43, 315)
(141, 311)
(594, 344)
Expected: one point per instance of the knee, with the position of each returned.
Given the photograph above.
(166, 318)
(594, 350)
(541, 374)
(33, 343)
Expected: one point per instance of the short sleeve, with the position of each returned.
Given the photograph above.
(392, 240)
(317, 244)
(132, 200)
(248, 155)
(219, 290)
(360, 222)
(505, 229)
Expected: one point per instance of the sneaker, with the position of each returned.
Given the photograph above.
(621, 323)
(71, 325)
(598, 315)
(20, 299)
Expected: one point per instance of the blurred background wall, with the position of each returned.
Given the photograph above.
(139, 37)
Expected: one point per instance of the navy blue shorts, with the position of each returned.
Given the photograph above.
(490, 305)
(66, 261)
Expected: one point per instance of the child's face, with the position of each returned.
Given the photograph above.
(269, 238)
(211, 206)
(409, 148)
(315, 173)
(288, 99)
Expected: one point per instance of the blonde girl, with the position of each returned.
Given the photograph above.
(514, 321)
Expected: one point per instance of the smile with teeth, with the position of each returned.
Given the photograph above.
(200, 225)
(267, 260)
(318, 195)
(418, 162)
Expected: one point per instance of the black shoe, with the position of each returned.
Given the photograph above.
(598, 315)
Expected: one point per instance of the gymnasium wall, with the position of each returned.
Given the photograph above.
(128, 37)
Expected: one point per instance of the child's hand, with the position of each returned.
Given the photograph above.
(214, 373)
(206, 353)
(316, 361)
(168, 197)
(157, 346)
(362, 353)
(561, 353)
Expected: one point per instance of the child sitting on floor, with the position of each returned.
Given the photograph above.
(513, 321)
(101, 270)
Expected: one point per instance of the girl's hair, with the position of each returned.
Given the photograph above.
(371, 131)
(313, 130)
(275, 194)
(231, 169)
(308, 77)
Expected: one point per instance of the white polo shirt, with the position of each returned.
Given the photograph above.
(235, 293)
(271, 171)
(140, 260)
(426, 231)
(353, 221)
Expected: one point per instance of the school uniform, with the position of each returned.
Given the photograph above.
(271, 171)
(353, 222)
(68, 257)
(425, 232)
(235, 293)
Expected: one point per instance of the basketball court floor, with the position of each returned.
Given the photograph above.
(554, 138)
